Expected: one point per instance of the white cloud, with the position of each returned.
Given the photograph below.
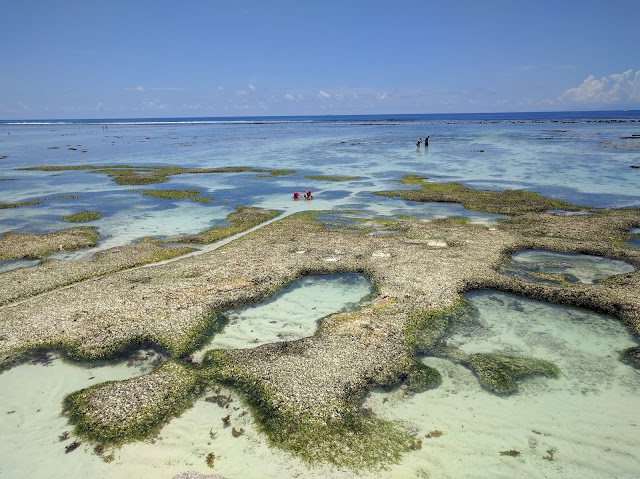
(220, 88)
(153, 105)
(323, 94)
(142, 89)
(252, 88)
(241, 92)
(289, 97)
(618, 88)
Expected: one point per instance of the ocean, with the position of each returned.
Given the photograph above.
(589, 418)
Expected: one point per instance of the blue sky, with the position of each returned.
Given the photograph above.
(157, 58)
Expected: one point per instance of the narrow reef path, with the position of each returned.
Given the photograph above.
(53, 274)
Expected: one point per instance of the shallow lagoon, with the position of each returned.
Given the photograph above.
(574, 162)
(588, 417)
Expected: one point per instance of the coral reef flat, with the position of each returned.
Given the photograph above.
(420, 271)
(34, 246)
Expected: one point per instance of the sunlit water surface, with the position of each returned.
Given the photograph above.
(589, 417)
(583, 163)
(551, 266)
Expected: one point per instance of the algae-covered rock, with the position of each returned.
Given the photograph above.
(122, 411)
(36, 246)
(83, 217)
(422, 378)
(241, 219)
(631, 356)
(500, 373)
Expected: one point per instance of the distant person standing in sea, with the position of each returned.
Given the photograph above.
(426, 141)
(419, 142)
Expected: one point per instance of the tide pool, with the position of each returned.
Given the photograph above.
(534, 265)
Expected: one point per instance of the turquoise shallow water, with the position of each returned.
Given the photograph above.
(589, 415)
(583, 162)
(533, 265)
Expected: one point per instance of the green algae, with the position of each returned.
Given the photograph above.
(631, 356)
(178, 195)
(422, 378)
(351, 438)
(147, 175)
(274, 173)
(332, 178)
(500, 373)
(427, 328)
(413, 180)
(37, 246)
(454, 220)
(5, 206)
(241, 220)
(498, 202)
(98, 413)
(83, 217)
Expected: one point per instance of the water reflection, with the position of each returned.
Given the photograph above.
(554, 267)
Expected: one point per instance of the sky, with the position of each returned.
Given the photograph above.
(197, 58)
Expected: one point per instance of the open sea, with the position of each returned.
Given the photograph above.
(589, 418)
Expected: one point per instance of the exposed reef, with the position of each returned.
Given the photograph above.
(306, 395)
(121, 411)
(148, 175)
(83, 216)
(240, 220)
(36, 246)
(331, 178)
(499, 202)
(178, 195)
(52, 273)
